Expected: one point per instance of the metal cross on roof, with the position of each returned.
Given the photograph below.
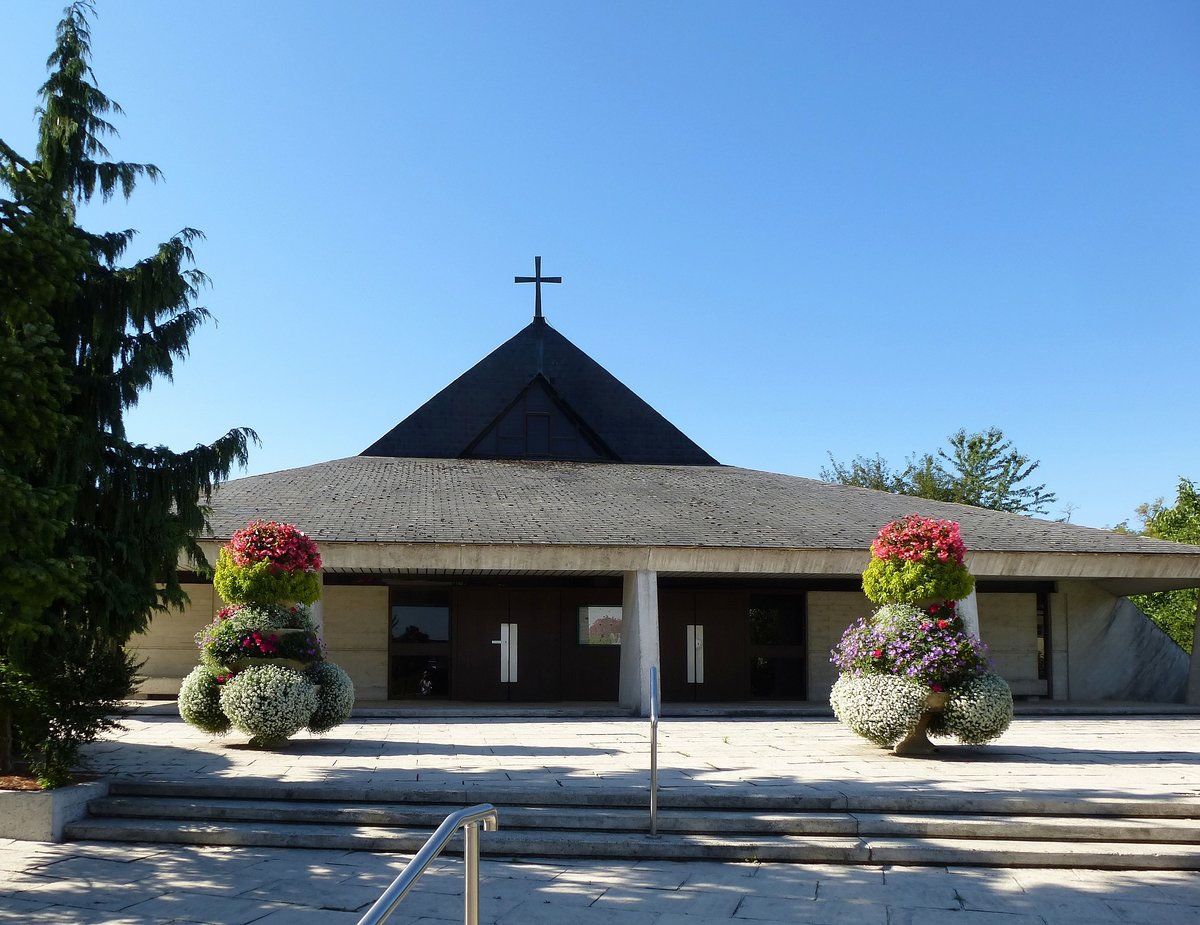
(537, 279)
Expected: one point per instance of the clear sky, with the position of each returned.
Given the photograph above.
(794, 228)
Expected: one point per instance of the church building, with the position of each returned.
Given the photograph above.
(537, 533)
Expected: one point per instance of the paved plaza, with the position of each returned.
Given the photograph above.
(1086, 758)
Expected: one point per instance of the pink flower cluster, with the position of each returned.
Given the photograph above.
(282, 544)
(258, 644)
(915, 538)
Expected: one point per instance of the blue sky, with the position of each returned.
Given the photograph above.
(793, 228)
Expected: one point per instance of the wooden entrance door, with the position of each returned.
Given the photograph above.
(506, 644)
(702, 645)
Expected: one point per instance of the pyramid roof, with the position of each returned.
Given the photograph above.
(592, 414)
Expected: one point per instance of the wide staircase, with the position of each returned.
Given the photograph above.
(871, 828)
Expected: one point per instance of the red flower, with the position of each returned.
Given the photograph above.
(942, 624)
(878, 653)
(915, 538)
(283, 545)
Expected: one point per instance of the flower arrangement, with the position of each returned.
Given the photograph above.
(266, 562)
(915, 645)
(240, 633)
(269, 703)
(200, 701)
(335, 697)
(930, 646)
(917, 559)
(879, 707)
(282, 545)
(262, 664)
(915, 538)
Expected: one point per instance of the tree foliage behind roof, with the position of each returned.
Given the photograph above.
(1173, 611)
(980, 469)
(99, 522)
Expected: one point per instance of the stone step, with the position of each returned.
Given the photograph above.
(869, 801)
(626, 845)
(610, 819)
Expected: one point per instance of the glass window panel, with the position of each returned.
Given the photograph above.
(600, 625)
(413, 624)
(779, 678)
(415, 676)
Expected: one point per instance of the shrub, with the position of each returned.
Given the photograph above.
(904, 581)
(335, 697)
(977, 711)
(269, 703)
(879, 707)
(263, 582)
(200, 702)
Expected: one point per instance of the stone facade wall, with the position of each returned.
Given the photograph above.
(354, 629)
(356, 636)
(1008, 624)
(829, 613)
(168, 646)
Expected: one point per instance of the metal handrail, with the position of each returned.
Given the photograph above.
(468, 820)
(654, 710)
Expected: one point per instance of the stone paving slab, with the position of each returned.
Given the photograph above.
(1084, 759)
(1080, 759)
(256, 885)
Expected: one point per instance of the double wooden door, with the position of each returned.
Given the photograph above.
(702, 645)
(506, 645)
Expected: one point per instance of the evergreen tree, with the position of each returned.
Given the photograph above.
(980, 469)
(110, 519)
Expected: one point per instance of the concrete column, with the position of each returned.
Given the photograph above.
(1060, 667)
(1193, 687)
(968, 610)
(639, 639)
(315, 610)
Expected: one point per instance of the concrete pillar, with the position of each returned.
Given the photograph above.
(315, 610)
(968, 610)
(639, 639)
(1193, 687)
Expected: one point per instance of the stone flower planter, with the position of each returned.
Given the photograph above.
(41, 815)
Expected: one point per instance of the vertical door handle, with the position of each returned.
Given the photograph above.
(508, 652)
(695, 653)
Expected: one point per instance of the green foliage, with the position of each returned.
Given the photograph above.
(898, 581)
(980, 469)
(67, 696)
(92, 526)
(200, 702)
(1173, 611)
(263, 581)
(39, 259)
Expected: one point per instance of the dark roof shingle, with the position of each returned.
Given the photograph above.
(465, 501)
